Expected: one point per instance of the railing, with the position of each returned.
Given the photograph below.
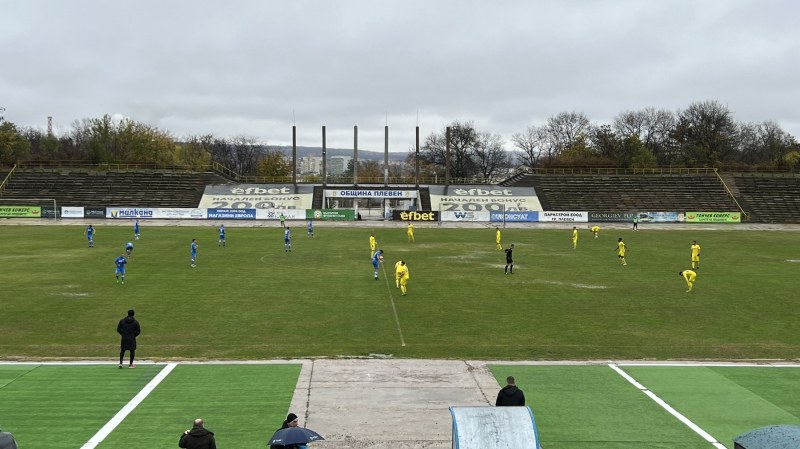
(621, 171)
(5, 181)
(730, 194)
(81, 165)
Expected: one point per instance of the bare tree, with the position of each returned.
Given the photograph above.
(529, 142)
(490, 157)
(463, 142)
(706, 134)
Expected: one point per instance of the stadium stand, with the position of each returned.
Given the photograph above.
(769, 198)
(129, 188)
(627, 192)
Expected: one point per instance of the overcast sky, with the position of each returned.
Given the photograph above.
(257, 67)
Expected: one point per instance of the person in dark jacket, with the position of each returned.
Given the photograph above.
(510, 395)
(7, 440)
(198, 437)
(129, 329)
(290, 421)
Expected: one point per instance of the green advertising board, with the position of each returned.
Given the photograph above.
(713, 217)
(21, 211)
(331, 214)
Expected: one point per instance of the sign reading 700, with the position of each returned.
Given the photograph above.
(485, 199)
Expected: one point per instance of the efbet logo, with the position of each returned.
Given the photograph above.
(417, 216)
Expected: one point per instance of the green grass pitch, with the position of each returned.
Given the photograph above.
(252, 300)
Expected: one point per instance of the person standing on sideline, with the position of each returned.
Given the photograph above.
(283, 220)
(120, 263)
(198, 437)
(596, 231)
(129, 248)
(287, 239)
(574, 237)
(497, 238)
(690, 277)
(90, 235)
(128, 328)
(509, 269)
(193, 252)
(404, 277)
(221, 235)
(373, 244)
(695, 255)
(136, 233)
(310, 227)
(377, 256)
(510, 395)
(636, 221)
(410, 232)
(620, 249)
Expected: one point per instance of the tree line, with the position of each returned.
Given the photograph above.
(705, 134)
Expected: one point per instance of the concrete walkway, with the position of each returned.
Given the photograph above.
(385, 403)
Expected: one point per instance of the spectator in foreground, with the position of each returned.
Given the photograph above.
(510, 395)
(198, 437)
(7, 440)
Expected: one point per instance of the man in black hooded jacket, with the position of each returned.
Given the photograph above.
(128, 328)
(510, 395)
(198, 437)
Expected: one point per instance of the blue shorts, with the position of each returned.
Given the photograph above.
(120, 271)
(375, 263)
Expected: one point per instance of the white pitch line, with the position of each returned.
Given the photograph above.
(391, 301)
(705, 435)
(128, 408)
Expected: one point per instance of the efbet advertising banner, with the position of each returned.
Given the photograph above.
(331, 214)
(415, 215)
(130, 212)
(21, 211)
(713, 217)
(257, 196)
(476, 198)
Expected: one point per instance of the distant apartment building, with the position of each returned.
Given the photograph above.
(309, 165)
(339, 164)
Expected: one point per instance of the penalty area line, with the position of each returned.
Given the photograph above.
(128, 408)
(705, 435)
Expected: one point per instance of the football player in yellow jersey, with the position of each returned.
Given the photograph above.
(497, 239)
(404, 276)
(398, 272)
(695, 255)
(596, 231)
(621, 251)
(410, 232)
(373, 244)
(574, 237)
(690, 277)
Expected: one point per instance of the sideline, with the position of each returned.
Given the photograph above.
(128, 408)
(391, 301)
(706, 436)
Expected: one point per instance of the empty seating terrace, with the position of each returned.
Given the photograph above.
(629, 192)
(128, 188)
(770, 198)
